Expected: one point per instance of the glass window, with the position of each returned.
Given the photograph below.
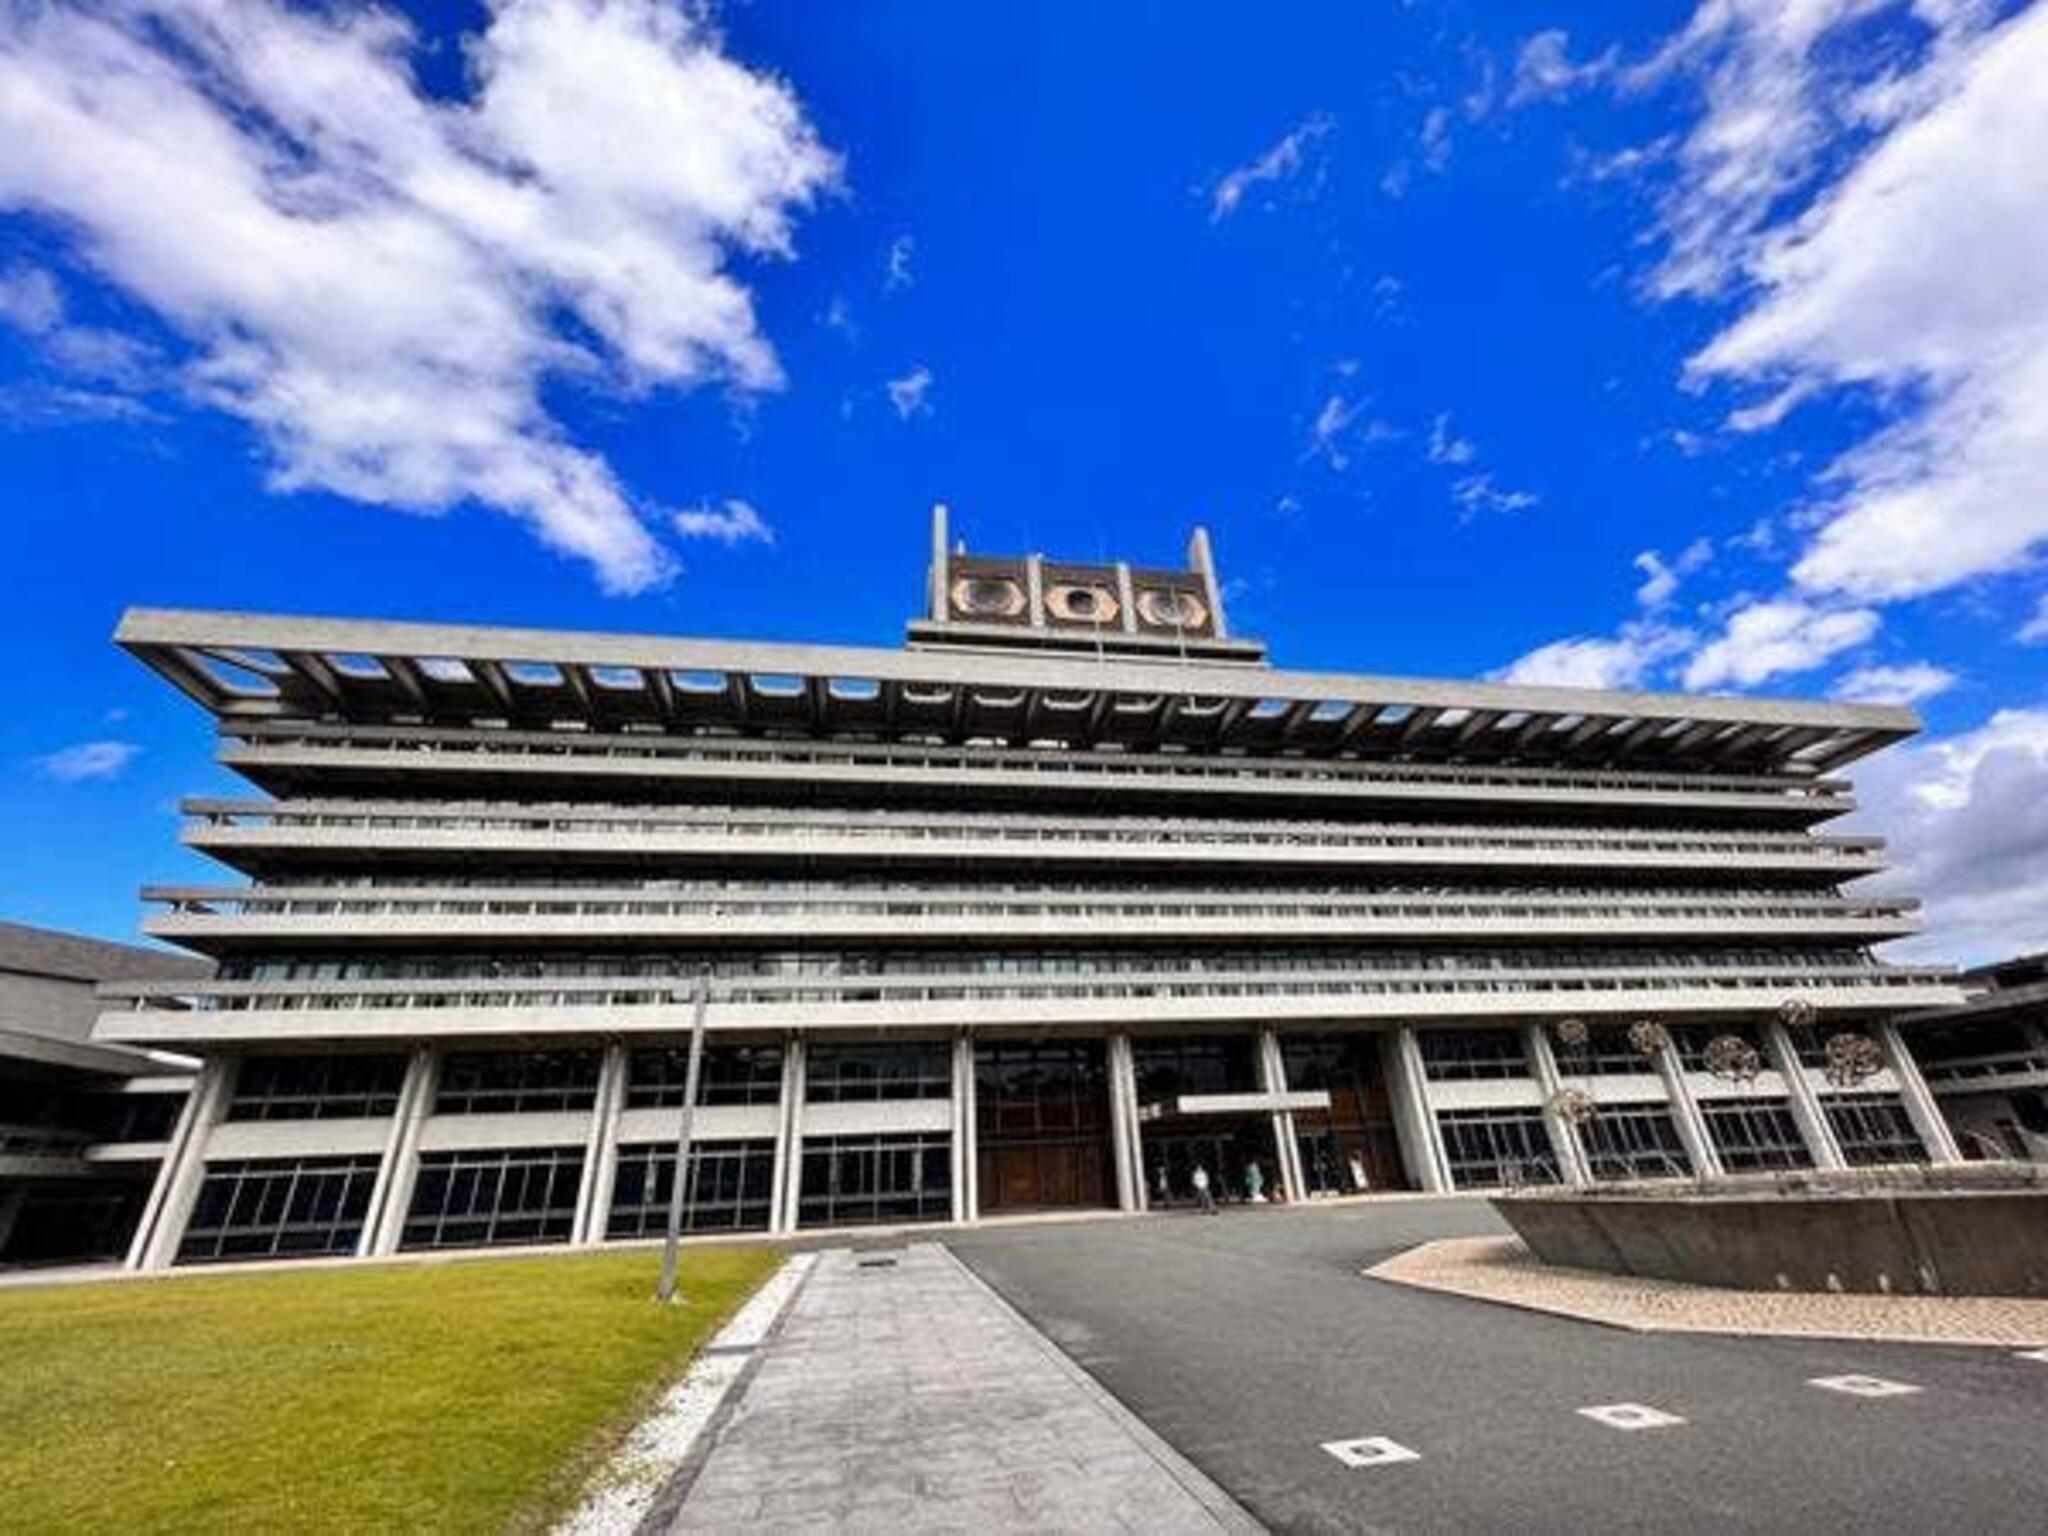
(516, 1082)
(1752, 1136)
(1449, 1054)
(730, 1186)
(729, 1074)
(279, 1208)
(1873, 1128)
(857, 1071)
(1488, 1148)
(475, 1199)
(317, 1087)
(858, 1180)
(1195, 1064)
(1638, 1141)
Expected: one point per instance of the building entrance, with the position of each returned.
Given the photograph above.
(1225, 1145)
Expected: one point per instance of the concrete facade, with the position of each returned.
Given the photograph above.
(1073, 894)
(83, 1125)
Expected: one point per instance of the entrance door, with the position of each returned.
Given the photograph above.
(1225, 1146)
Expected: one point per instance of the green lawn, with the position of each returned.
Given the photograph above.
(464, 1396)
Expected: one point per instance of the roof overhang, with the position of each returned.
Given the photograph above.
(246, 666)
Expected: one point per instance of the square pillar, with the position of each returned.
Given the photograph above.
(1799, 1093)
(789, 1140)
(1564, 1136)
(402, 1159)
(1415, 1127)
(402, 1140)
(1123, 1124)
(1921, 1106)
(601, 1149)
(1273, 1078)
(169, 1207)
(1685, 1114)
(966, 1160)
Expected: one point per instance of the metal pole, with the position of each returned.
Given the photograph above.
(671, 1250)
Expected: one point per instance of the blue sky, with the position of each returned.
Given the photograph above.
(1633, 344)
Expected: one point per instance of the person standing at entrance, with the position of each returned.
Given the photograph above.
(1254, 1182)
(1200, 1179)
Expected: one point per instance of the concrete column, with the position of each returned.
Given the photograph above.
(1123, 1124)
(601, 1150)
(789, 1142)
(1034, 590)
(1799, 1093)
(1685, 1113)
(1572, 1161)
(1921, 1107)
(418, 1082)
(966, 1148)
(1203, 560)
(169, 1206)
(402, 1158)
(1415, 1127)
(1126, 599)
(1273, 1077)
(12, 1199)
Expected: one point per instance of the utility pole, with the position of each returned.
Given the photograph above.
(671, 1251)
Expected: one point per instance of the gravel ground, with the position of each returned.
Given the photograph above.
(1502, 1269)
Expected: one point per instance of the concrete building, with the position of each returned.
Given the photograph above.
(1071, 894)
(1987, 1059)
(83, 1124)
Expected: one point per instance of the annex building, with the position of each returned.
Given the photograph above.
(1072, 893)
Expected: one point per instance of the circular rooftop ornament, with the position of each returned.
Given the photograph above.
(1570, 1031)
(1851, 1059)
(1733, 1059)
(1574, 1106)
(1648, 1037)
(1797, 1013)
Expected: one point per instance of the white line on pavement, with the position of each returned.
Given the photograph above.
(1630, 1416)
(1863, 1386)
(1373, 1451)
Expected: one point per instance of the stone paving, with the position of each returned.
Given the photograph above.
(1502, 1269)
(907, 1396)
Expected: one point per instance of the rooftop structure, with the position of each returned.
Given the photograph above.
(1070, 894)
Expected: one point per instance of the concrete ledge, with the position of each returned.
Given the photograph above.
(1941, 1232)
(1501, 1270)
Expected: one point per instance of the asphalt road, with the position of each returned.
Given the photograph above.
(1250, 1339)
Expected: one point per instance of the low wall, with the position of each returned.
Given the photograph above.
(1958, 1232)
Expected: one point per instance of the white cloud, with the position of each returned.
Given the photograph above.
(1660, 581)
(1544, 68)
(1436, 138)
(1341, 427)
(87, 760)
(1280, 163)
(30, 300)
(1764, 639)
(908, 394)
(1905, 684)
(1624, 661)
(1445, 446)
(378, 281)
(1478, 493)
(898, 271)
(1967, 817)
(2035, 630)
(734, 523)
(1878, 215)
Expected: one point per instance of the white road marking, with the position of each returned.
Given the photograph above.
(1373, 1451)
(1631, 1416)
(2038, 1356)
(1863, 1386)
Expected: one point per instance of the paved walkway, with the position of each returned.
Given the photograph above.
(906, 1396)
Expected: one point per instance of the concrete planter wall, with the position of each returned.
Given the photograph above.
(1953, 1232)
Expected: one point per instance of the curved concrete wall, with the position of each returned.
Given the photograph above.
(1975, 1234)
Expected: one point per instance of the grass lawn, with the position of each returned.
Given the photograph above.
(473, 1395)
